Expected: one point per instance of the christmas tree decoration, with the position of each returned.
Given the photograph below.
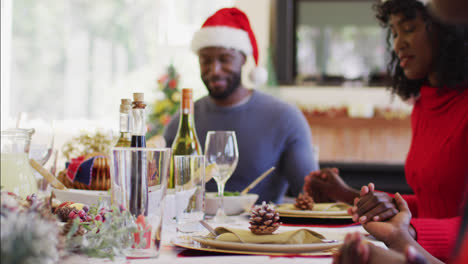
(163, 109)
(304, 202)
(264, 219)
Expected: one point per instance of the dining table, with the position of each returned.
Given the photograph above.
(170, 253)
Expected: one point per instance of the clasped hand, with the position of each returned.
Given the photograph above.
(393, 232)
(325, 186)
(371, 205)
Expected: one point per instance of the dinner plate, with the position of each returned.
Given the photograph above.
(210, 245)
(264, 248)
(320, 210)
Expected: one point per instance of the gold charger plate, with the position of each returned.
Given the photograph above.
(256, 249)
(321, 210)
(266, 248)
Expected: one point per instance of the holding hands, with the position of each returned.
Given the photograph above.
(357, 251)
(395, 233)
(379, 206)
(376, 206)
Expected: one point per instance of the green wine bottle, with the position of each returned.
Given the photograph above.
(125, 138)
(186, 141)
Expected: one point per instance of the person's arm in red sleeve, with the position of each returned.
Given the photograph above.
(437, 236)
(461, 256)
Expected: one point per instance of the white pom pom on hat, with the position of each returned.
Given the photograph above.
(258, 76)
(230, 28)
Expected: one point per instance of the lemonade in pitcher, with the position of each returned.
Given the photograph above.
(16, 173)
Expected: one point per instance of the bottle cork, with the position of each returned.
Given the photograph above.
(187, 101)
(125, 105)
(138, 97)
(186, 91)
(138, 100)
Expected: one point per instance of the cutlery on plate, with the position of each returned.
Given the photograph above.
(208, 227)
(256, 181)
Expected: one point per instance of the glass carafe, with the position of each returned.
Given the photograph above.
(16, 173)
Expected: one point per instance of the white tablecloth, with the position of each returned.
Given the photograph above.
(168, 253)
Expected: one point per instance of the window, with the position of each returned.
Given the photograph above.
(75, 59)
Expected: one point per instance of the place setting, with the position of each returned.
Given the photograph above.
(261, 237)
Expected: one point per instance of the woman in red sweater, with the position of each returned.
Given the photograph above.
(356, 251)
(429, 64)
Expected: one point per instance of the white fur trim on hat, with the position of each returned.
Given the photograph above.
(222, 36)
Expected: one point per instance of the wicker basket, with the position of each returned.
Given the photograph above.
(101, 176)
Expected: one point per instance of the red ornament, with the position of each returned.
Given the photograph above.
(173, 84)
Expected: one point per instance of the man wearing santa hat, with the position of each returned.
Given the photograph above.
(269, 132)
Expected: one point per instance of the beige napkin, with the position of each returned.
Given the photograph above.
(301, 236)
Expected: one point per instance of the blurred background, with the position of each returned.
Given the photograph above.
(72, 61)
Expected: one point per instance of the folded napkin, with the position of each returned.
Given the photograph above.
(301, 236)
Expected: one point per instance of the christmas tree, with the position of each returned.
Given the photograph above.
(163, 109)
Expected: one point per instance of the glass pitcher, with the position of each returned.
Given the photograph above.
(16, 174)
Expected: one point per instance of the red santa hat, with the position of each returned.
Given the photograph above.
(230, 28)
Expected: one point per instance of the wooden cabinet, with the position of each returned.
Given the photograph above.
(375, 140)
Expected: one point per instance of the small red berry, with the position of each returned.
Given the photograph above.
(81, 213)
(98, 218)
(72, 215)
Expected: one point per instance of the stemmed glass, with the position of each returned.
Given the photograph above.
(221, 151)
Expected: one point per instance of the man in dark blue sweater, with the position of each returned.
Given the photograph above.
(269, 131)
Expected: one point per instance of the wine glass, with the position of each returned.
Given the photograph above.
(221, 151)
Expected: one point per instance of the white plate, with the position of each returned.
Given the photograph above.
(265, 248)
(321, 210)
(200, 247)
(82, 196)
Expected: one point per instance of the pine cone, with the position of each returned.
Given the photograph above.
(63, 212)
(304, 202)
(264, 219)
(66, 229)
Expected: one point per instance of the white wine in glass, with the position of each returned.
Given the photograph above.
(221, 151)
